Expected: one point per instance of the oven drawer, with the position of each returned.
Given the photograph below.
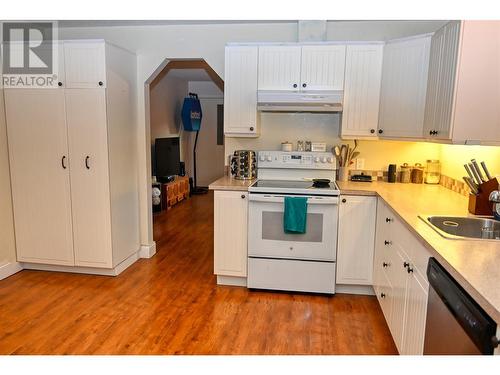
(293, 275)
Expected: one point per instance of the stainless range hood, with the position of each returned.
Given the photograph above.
(294, 101)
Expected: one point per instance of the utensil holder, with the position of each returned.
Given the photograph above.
(480, 204)
(343, 174)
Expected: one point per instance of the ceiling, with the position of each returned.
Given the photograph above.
(190, 74)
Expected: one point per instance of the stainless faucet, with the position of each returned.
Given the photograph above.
(495, 198)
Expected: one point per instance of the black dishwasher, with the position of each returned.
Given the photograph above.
(456, 324)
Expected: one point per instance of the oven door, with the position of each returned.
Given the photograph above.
(267, 238)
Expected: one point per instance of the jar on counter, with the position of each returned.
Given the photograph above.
(308, 146)
(417, 174)
(300, 146)
(405, 174)
(433, 174)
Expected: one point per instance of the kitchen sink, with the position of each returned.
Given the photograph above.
(457, 227)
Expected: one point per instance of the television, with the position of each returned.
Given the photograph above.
(167, 158)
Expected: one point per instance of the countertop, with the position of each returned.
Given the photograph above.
(228, 183)
(475, 264)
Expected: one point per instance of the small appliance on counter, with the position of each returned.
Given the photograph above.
(361, 178)
(244, 165)
(391, 173)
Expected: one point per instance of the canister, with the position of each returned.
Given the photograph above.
(433, 173)
(286, 146)
(405, 174)
(417, 174)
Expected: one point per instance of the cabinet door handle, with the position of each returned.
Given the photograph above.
(243, 196)
(380, 131)
(101, 83)
(406, 264)
(388, 219)
(87, 162)
(382, 295)
(372, 131)
(387, 243)
(63, 161)
(251, 128)
(59, 84)
(294, 85)
(304, 85)
(344, 200)
(384, 264)
(409, 269)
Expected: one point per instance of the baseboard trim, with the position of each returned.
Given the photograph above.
(366, 290)
(231, 280)
(147, 251)
(9, 269)
(119, 268)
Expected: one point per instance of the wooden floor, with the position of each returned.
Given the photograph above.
(170, 304)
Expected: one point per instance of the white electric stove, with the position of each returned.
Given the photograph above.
(293, 262)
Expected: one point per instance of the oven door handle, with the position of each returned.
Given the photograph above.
(267, 198)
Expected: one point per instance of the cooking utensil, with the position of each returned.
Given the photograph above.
(488, 174)
(354, 155)
(477, 179)
(336, 151)
(479, 173)
(471, 185)
(469, 172)
(343, 155)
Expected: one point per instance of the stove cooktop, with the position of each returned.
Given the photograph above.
(293, 187)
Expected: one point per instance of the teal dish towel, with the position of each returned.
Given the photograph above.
(295, 215)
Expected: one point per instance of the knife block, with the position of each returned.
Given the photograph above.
(480, 204)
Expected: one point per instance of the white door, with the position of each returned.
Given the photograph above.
(88, 147)
(398, 278)
(363, 73)
(84, 64)
(404, 87)
(39, 166)
(322, 67)
(230, 233)
(240, 91)
(356, 240)
(279, 68)
(415, 316)
(441, 82)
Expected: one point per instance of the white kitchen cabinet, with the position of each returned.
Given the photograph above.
(240, 91)
(417, 291)
(75, 194)
(400, 280)
(279, 68)
(39, 167)
(356, 237)
(463, 97)
(404, 86)
(305, 68)
(88, 144)
(322, 67)
(363, 73)
(84, 64)
(230, 233)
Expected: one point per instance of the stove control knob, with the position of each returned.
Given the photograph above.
(330, 160)
(262, 158)
(316, 159)
(323, 160)
(269, 158)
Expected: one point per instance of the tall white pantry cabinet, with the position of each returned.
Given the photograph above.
(73, 165)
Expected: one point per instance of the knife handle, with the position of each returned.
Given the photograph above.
(478, 170)
(488, 175)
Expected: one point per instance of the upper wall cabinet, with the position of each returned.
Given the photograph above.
(279, 67)
(240, 91)
(306, 68)
(84, 64)
(463, 97)
(404, 86)
(363, 71)
(322, 67)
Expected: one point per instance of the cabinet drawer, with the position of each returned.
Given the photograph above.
(384, 296)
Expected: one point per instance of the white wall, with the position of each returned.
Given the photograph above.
(154, 44)
(7, 242)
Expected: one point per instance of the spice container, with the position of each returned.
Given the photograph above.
(405, 174)
(417, 174)
(433, 174)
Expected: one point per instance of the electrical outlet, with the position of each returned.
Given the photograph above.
(360, 164)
